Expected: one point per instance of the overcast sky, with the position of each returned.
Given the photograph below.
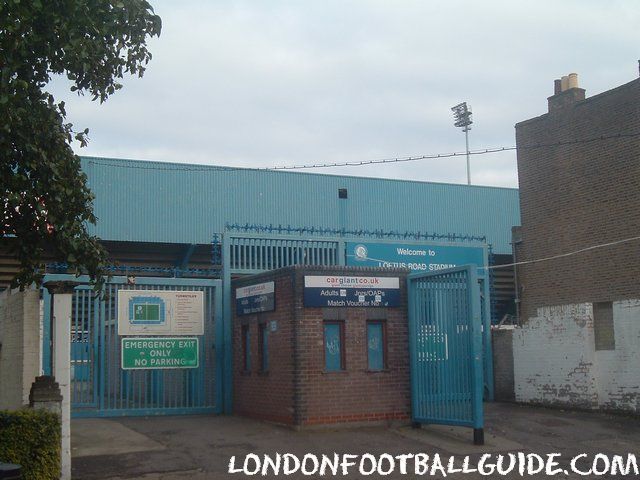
(266, 83)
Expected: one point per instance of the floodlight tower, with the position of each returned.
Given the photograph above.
(462, 116)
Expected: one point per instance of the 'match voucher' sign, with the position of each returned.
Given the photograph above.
(344, 291)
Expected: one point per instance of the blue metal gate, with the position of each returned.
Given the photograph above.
(100, 387)
(445, 344)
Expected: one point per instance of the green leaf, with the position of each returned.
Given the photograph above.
(50, 202)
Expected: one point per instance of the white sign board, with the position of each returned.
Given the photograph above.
(160, 312)
(253, 290)
(256, 298)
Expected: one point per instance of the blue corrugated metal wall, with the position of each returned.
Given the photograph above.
(180, 203)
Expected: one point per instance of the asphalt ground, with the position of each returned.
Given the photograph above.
(201, 447)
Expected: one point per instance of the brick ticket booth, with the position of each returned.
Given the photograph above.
(322, 345)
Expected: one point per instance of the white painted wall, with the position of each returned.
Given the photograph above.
(21, 349)
(62, 372)
(555, 360)
(618, 371)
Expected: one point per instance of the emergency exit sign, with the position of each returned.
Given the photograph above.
(159, 353)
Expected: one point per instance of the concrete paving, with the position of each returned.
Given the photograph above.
(101, 437)
(200, 447)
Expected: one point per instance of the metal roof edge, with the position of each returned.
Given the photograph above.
(203, 166)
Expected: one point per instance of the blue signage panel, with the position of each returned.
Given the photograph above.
(256, 298)
(341, 291)
(418, 258)
(146, 310)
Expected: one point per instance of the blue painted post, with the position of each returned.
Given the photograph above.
(46, 332)
(96, 364)
(227, 348)
(478, 384)
(411, 299)
(102, 392)
(219, 350)
(487, 344)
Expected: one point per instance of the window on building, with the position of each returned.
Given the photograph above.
(376, 345)
(334, 346)
(263, 346)
(246, 348)
(603, 327)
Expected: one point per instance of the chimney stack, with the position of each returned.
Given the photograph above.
(565, 92)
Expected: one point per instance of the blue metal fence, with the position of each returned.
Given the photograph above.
(445, 344)
(244, 252)
(100, 387)
(253, 254)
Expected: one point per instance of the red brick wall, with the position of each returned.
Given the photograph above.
(354, 394)
(576, 196)
(297, 389)
(268, 396)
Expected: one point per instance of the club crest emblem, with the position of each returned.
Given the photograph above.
(361, 252)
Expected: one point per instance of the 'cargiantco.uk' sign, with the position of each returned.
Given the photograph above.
(341, 291)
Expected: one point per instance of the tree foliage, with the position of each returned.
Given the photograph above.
(46, 201)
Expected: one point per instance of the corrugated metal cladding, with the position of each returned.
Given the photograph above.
(180, 203)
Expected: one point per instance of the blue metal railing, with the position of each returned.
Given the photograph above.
(99, 386)
(249, 254)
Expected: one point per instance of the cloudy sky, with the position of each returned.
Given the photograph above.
(266, 83)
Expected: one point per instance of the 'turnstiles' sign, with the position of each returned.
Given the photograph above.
(160, 312)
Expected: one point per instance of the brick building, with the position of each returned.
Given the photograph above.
(579, 174)
(284, 372)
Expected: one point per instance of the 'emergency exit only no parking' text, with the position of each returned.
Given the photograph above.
(161, 352)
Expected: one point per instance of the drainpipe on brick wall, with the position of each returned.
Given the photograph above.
(516, 239)
(297, 414)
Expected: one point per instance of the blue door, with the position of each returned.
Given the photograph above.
(445, 345)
